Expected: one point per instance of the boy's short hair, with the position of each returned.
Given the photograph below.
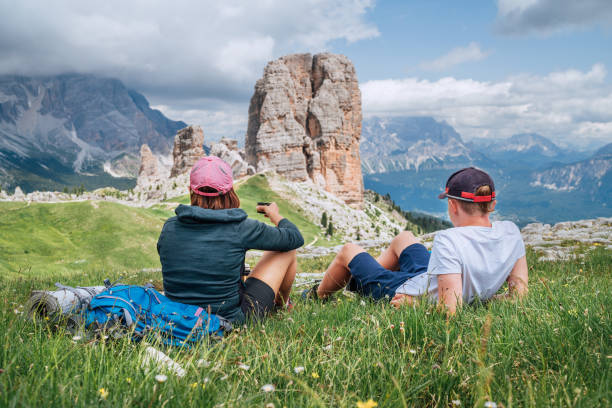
(481, 208)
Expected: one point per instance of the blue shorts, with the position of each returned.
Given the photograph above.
(369, 278)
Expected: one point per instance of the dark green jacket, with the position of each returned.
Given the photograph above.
(202, 254)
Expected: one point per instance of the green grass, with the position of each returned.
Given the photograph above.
(39, 239)
(553, 349)
(60, 238)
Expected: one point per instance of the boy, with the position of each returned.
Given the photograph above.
(471, 260)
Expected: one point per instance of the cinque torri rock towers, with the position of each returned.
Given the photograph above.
(305, 123)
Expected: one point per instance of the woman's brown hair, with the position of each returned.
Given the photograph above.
(482, 208)
(220, 202)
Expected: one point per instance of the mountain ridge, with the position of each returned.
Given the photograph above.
(76, 123)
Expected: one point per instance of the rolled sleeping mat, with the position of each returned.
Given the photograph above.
(45, 304)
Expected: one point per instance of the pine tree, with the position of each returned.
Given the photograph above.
(330, 229)
(324, 219)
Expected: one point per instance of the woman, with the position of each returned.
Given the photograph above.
(471, 260)
(202, 249)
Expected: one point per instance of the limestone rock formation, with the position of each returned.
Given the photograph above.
(305, 123)
(148, 163)
(187, 150)
(227, 150)
(18, 194)
(149, 170)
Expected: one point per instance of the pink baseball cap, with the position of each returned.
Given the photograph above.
(211, 171)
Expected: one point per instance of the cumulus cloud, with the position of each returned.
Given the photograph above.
(195, 60)
(193, 48)
(456, 56)
(547, 16)
(572, 107)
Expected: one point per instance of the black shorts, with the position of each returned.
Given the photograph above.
(256, 298)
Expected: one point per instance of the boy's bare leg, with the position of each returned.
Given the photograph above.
(338, 274)
(389, 258)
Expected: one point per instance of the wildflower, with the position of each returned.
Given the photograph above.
(244, 367)
(202, 363)
(76, 338)
(328, 347)
(268, 388)
(490, 404)
(315, 375)
(362, 303)
(128, 380)
(392, 326)
(368, 404)
(298, 370)
(194, 385)
(225, 377)
(412, 351)
(401, 324)
(456, 403)
(160, 378)
(206, 380)
(402, 330)
(435, 367)
(269, 405)
(103, 393)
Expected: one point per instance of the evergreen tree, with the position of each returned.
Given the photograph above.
(324, 219)
(330, 229)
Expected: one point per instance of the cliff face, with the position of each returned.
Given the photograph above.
(305, 123)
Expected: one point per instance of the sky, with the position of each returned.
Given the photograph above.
(490, 69)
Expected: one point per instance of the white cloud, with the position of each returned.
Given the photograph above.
(206, 48)
(456, 56)
(571, 107)
(548, 16)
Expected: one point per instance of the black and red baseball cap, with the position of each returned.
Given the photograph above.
(462, 185)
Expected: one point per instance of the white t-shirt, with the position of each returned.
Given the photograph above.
(484, 256)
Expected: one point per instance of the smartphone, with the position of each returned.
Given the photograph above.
(262, 203)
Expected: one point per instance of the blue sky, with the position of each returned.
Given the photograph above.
(489, 68)
(412, 32)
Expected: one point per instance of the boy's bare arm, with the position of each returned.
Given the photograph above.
(517, 280)
(450, 291)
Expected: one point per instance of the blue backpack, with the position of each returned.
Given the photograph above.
(143, 311)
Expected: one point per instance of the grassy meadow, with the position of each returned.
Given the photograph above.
(38, 239)
(553, 349)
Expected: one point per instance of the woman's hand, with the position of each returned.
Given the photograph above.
(271, 211)
(400, 300)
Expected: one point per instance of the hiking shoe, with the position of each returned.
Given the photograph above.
(311, 293)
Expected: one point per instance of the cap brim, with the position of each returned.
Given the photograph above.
(442, 195)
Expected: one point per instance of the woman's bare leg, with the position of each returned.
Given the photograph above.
(338, 274)
(277, 270)
(389, 258)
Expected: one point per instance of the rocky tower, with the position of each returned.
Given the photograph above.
(187, 150)
(305, 123)
(148, 163)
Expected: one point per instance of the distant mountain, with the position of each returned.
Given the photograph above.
(593, 175)
(526, 150)
(410, 158)
(67, 129)
(417, 143)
